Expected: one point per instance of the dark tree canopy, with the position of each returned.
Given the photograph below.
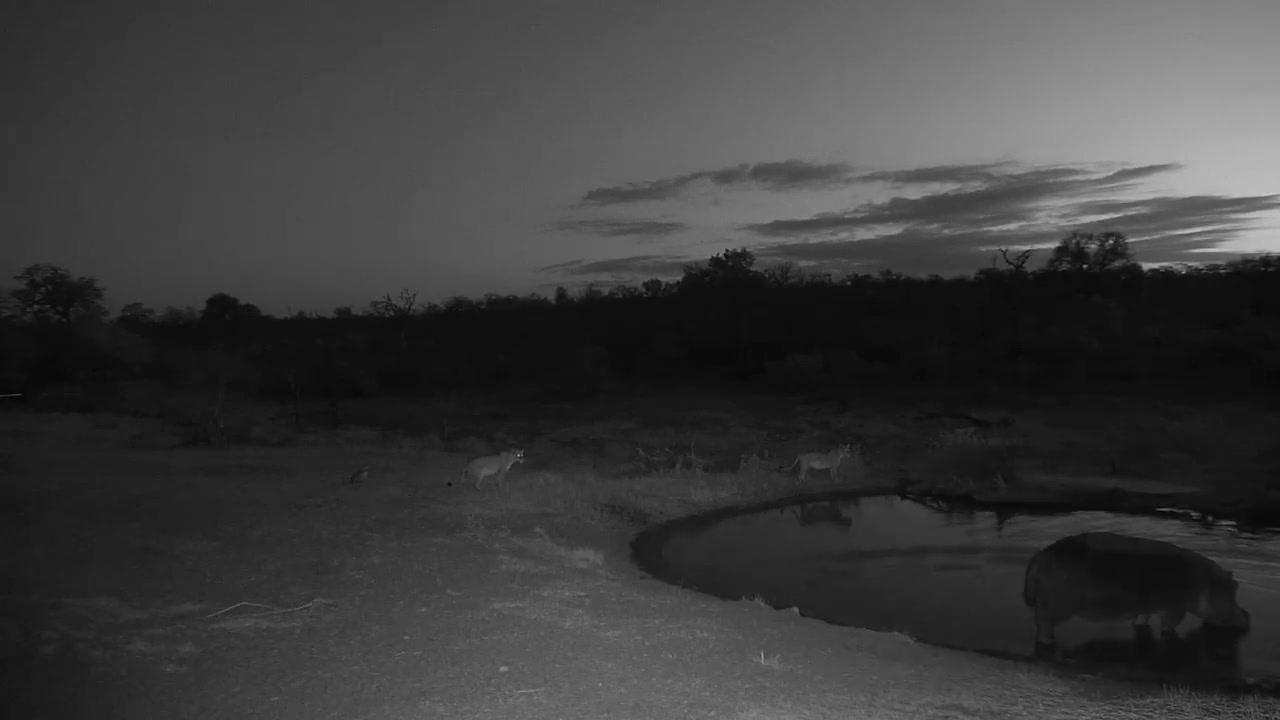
(136, 314)
(51, 294)
(731, 269)
(1092, 315)
(224, 309)
(783, 274)
(655, 287)
(1091, 252)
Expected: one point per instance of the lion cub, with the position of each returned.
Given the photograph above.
(483, 467)
(820, 461)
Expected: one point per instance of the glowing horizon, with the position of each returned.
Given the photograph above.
(321, 158)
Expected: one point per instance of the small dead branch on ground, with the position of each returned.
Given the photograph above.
(769, 662)
(317, 602)
(695, 462)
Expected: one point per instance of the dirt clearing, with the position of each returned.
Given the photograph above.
(254, 583)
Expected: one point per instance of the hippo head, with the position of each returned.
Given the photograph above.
(1222, 610)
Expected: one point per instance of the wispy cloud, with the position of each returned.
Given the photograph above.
(1013, 197)
(635, 266)
(913, 250)
(777, 176)
(1151, 216)
(954, 231)
(948, 174)
(567, 266)
(997, 173)
(635, 192)
(617, 227)
(1180, 229)
(956, 228)
(1143, 172)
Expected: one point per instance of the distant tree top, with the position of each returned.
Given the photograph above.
(51, 294)
(729, 269)
(1091, 252)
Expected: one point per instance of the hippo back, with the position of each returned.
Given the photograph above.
(1105, 576)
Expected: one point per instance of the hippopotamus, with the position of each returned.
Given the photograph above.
(1102, 576)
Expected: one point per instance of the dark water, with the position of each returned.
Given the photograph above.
(956, 579)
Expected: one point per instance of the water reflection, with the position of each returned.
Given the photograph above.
(954, 576)
(1207, 653)
(824, 513)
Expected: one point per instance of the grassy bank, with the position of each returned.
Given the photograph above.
(251, 581)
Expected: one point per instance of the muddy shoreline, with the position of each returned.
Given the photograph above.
(646, 546)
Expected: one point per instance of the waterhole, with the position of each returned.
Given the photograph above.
(954, 578)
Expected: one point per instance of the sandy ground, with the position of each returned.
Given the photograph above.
(125, 572)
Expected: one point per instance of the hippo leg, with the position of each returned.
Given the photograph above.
(1045, 623)
(1143, 638)
(1169, 621)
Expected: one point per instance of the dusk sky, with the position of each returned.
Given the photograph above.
(313, 154)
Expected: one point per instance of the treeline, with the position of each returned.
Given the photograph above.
(1091, 314)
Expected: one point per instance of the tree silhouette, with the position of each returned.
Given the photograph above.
(222, 308)
(1090, 252)
(136, 315)
(228, 320)
(460, 304)
(783, 275)
(732, 262)
(729, 270)
(398, 308)
(50, 294)
(1018, 263)
(726, 314)
(624, 292)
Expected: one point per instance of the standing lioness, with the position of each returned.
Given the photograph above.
(498, 465)
(1101, 576)
(820, 461)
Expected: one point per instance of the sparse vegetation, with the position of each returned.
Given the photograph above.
(633, 406)
(1090, 317)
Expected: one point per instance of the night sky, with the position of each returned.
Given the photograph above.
(307, 155)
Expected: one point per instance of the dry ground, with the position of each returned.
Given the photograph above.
(126, 565)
